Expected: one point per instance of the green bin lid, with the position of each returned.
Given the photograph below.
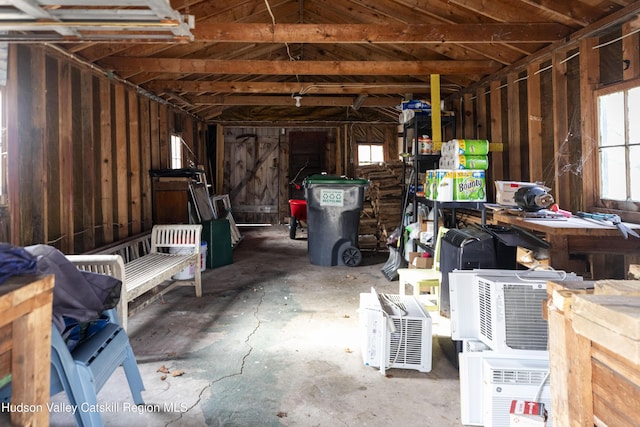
(334, 180)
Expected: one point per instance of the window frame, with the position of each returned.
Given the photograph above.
(620, 205)
(175, 142)
(370, 144)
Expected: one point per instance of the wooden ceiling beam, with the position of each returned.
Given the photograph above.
(306, 101)
(386, 33)
(321, 88)
(333, 68)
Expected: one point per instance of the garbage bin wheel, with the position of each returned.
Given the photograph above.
(351, 256)
(293, 224)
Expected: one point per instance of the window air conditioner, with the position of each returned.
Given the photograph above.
(396, 332)
(463, 290)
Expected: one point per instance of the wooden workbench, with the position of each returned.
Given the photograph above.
(25, 346)
(577, 236)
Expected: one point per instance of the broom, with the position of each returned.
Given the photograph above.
(395, 243)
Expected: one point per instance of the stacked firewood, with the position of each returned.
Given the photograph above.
(382, 208)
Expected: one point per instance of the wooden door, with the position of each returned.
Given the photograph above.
(252, 175)
(307, 156)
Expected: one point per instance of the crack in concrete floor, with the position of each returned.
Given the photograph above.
(244, 359)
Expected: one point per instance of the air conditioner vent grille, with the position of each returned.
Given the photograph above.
(510, 315)
(525, 327)
(486, 326)
(406, 342)
(517, 376)
(397, 300)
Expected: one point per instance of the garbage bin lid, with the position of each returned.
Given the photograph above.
(334, 180)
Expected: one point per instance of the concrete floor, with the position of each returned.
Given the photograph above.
(274, 341)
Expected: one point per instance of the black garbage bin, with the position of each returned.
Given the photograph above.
(334, 204)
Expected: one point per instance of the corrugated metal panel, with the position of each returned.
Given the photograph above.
(73, 20)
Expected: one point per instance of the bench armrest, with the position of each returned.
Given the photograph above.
(111, 265)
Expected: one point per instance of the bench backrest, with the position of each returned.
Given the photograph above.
(176, 237)
(129, 249)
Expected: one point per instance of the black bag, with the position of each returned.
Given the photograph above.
(79, 297)
(15, 260)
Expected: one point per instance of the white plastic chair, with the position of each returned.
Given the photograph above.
(427, 278)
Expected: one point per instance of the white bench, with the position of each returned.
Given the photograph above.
(142, 267)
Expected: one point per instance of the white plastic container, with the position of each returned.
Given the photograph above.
(188, 273)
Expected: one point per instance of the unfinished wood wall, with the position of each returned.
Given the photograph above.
(80, 147)
(544, 113)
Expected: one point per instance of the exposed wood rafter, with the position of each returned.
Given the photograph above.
(390, 33)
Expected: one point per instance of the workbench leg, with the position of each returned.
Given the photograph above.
(559, 255)
(558, 252)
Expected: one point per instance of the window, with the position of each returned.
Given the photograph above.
(619, 144)
(176, 151)
(369, 154)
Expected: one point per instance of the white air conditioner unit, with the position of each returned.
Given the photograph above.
(511, 313)
(471, 379)
(396, 332)
(463, 295)
(506, 380)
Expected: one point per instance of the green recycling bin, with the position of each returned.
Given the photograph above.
(334, 204)
(217, 234)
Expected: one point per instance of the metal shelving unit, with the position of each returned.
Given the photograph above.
(421, 125)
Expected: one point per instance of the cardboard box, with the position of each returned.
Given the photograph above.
(506, 190)
(527, 414)
(417, 260)
(426, 225)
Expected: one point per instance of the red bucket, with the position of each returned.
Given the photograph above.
(298, 209)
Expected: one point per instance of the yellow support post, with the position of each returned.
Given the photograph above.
(436, 122)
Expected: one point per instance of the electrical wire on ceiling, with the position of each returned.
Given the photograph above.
(273, 21)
